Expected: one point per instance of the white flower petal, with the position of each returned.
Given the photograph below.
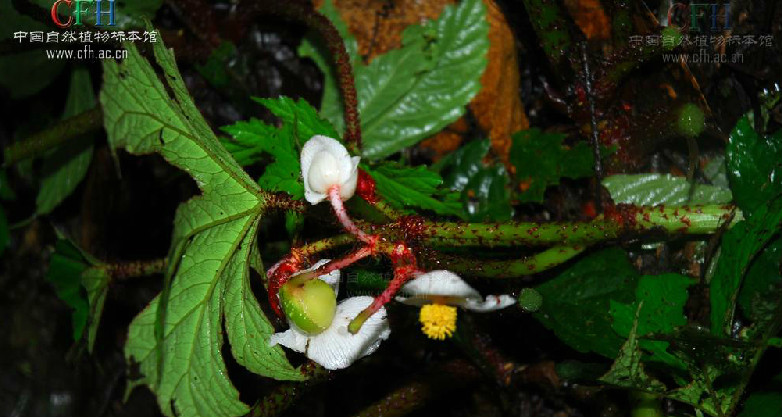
(348, 187)
(336, 348)
(325, 163)
(440, 283)
(491, 303)
(292, 338)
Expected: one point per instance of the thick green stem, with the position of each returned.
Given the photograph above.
(489, 268)
(625, 220)
(61, 132)
(328, 243)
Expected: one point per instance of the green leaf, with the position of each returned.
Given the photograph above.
(65, 268)
(740, 245)
(253, 138)
(653, 189)
(403, 186)
(249, 140)
(214, 69)
(754, 166)
(301, 116)
(410, 93)
(487, 197)
(662, 298)
(67, 166)
(541, 160)
(24, 73)
(178, 348)
(627, 370)
(576, 303)
(766, 402)
(95, 281)
(759, 296)
(484, 188)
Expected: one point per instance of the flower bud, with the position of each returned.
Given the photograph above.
(326, 163)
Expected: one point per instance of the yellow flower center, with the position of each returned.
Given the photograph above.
(438, 321)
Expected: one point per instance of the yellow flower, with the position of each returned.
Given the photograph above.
(438, 321)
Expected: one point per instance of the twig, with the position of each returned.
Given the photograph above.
(59, 133)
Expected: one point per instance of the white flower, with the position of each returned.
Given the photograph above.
(335, 348)
(326, 163)
(445, 287)
(438, 292)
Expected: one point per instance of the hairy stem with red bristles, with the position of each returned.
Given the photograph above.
(346, 261)
(342, 215)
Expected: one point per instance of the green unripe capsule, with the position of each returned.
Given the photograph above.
(691, 120)
(309, 303)
(530, 300)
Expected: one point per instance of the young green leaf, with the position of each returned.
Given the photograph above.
(182, 362)
(541, 160)
(754, 166)
(417, 187)
(67, 166)
(576, 303)
(408, 94)
(653, 189)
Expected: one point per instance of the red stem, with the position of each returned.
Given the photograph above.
(346, 261)
(347, 223)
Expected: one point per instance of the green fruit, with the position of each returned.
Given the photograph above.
(309, 303)
(530, 300)
(691, 120)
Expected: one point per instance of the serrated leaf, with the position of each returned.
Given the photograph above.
(410, 93)
(403, 186)
(541, 160)
(627, 370)
(754, 166)
(300, 116)
(67, 166)
(181, 362)
(654, 189)
(576, 303)
(253, 138)
(484, 188)
(663, 298)
(740, 245)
